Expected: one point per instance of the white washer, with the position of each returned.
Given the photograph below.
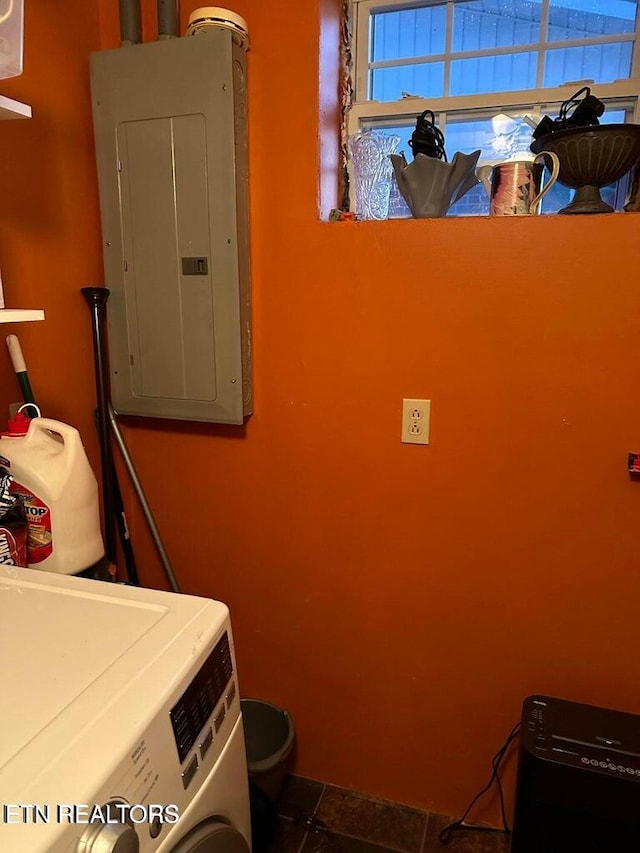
(114, 694)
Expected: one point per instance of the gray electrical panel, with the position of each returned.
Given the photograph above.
(171, 145)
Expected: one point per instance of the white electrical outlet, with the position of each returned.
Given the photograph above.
(416, 420)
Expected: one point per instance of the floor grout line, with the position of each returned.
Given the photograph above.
(302, 843)
(315, 809)
(324, 788)
(306, 835)
(424, 833)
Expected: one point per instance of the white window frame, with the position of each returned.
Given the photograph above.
(363, 112)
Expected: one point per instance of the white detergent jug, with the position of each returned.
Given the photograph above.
(51, 471)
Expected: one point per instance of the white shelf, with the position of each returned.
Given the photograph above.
(13, 109)
(20, 315)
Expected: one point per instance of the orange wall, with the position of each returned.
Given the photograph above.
(49, 218)
(400, 601)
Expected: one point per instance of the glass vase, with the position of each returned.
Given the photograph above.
(371, 172)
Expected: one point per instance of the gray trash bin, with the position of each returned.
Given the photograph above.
(269, 735)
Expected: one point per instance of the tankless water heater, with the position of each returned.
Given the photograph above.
(171, 144)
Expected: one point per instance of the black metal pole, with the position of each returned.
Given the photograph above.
(96, 298)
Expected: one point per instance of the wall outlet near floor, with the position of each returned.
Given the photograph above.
(416, 418)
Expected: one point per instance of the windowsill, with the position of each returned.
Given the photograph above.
(487, 217)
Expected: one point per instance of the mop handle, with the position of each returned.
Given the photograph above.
(20, 367)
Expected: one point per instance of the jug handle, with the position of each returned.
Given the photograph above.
(533, 207)
(64, 433)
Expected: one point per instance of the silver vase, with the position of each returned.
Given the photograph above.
(431, 186)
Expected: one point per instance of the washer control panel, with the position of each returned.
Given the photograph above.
(191, 712)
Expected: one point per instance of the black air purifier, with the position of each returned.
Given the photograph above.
(578, 788)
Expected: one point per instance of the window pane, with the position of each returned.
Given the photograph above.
(404, 132)
(500, 138)
(560, 196)
(601, 63)
(407, 33)
(426, 80)
(482, 24)
(503, 73)
(571, 19)
(503, 137)
(473, 203)
(615, 117)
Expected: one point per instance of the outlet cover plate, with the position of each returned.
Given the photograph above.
(416, 421)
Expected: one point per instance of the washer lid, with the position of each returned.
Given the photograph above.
(70, 646)
(212, 836)
(55, 642)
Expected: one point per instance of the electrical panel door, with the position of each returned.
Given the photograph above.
(171, 143)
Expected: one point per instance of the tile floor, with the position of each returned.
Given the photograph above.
(319, 818)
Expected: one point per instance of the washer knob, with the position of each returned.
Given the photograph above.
(109, 838)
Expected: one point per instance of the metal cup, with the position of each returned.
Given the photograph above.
(516, 186)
